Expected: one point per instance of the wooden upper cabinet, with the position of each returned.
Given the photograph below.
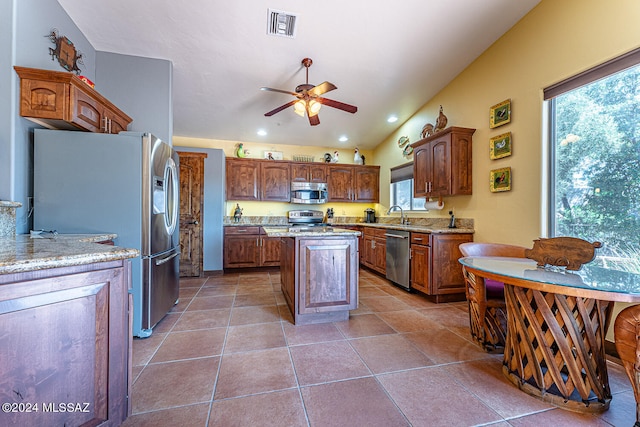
(60, 100)
(275, 181)
(354, 183)
(242, 179)
(308, 172)
(340, 183)
(442, 163)
(367, 184)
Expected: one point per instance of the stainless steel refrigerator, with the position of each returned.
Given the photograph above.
(126, 184)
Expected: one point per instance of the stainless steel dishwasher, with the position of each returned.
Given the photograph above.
(398, 257)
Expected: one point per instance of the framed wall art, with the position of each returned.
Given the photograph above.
(273, 155)
(500, 146)
(500, 114)
(500, 180)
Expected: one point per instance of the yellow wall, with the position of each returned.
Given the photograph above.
(556, 40)
(257, 151)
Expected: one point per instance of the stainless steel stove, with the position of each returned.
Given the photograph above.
(306, 218)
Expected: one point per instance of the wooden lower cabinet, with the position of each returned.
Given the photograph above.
(374, 249)
(319, 278)
(65, 339)
(246, 247)
(435, 270)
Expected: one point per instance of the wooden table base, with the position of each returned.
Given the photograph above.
(554, 348)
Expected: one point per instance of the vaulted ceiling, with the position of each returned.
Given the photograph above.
(387, 58)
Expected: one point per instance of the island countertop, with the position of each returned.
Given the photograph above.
(23, 252)
(304, 232)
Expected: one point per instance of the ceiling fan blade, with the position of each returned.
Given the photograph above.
(337, 104)
(314, 120)
(280, 108)
(322, 88)
(270, 89)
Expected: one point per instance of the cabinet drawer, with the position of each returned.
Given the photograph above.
(229, 230)
(420, 239)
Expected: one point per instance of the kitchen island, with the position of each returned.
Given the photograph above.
(65, 333)
(318, 272)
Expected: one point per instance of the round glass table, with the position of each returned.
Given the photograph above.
(556, 326)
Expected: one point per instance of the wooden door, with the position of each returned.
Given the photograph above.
(269, 251)
(446, 274)
(191, 201)
(241, 250)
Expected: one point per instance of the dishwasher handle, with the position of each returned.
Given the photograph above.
(396, 236)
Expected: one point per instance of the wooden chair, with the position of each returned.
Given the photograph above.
(487, 309)
(626, 331)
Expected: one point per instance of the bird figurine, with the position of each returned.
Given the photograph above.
(357, 158)
(237, 213)
(240, 151)
(441, 121)
(334, 159)
(327, 157)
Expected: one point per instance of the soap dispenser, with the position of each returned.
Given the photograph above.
(452, 221)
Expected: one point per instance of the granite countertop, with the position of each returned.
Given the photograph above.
(284, 231)
(22, 253)
(417, 225)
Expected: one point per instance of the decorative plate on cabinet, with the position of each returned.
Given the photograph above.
(403, 141)
(408, 150)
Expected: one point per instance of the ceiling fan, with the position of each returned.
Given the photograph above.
(308, 99)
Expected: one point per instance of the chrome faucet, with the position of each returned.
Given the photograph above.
(401, 212)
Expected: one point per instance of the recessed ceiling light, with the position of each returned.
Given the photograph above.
(343, 138)
(262, 132)
(392, 119)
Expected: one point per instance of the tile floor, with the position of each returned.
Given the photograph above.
(228, 355)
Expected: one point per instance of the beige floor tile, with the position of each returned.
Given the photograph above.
(309, 334)
(443, 346)
(331, 361)
(388, 353)
(277, 409)
(429, 397)
(166, 385)
(191, 344)
(358, 402)
(211, 303)
(144, 348)
(408, 321)
(263, 298)
(364, 325)
(192, 416)
(384, 303)
(259, 336)
(203, 319)
(254, 372)
(254, 314)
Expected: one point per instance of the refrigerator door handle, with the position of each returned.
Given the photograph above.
(167, 259)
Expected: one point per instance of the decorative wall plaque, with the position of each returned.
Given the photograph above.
(65, 51)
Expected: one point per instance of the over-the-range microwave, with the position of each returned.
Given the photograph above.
(309, 192)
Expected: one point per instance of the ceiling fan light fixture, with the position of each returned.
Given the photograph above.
(300, 107)
(314, 107)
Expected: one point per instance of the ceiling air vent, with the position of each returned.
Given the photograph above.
(282, 23)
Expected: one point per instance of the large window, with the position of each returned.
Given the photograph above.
(401, 193)
(595, 159)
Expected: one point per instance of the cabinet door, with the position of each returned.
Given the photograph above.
(367, 184)
(241, 251)
(441, 166)
(86, 112)
(299, 172)
(461, 163)
(340, 183)
(114, 122)
(421, 171)
(446, 273)
(368, 251)
(269, 251)
(43, 99)
(275, 181)
(65, 339)
(242, 179)
(317, 173)
(380, 257)
(328, 275)
(420, 256)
